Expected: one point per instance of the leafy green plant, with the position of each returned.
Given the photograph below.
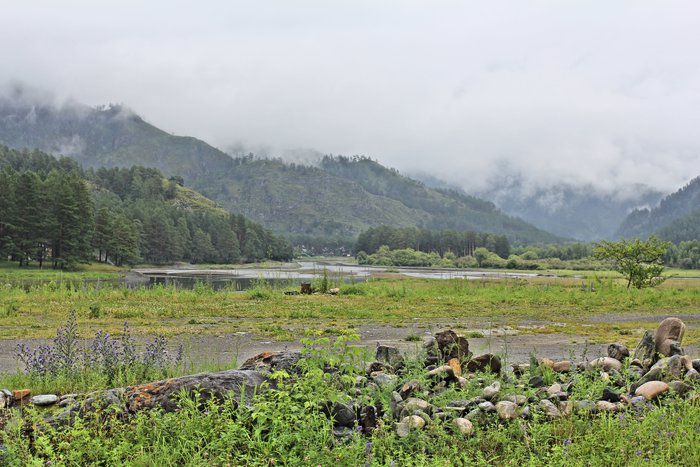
(94, 310)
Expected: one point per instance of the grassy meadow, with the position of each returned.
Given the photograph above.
(286, 428)
(567, 305)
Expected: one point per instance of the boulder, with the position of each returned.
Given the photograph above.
(487, 407)
(413, 404)
(651, 390)
(680, 387)
(388, 355)
(669, 336)
(547, 362)
(549, 409)
(238, 385)
(486, 362)
(456, 366)
(636, 371)
(272, 361)
(6, 399)
(666, 369)
(610, 396)
(687, 362)
(382, 379)
(654, 374)
(645, 353)
(692, 375)
(395, 402)
(464, 426)
(343, 415)
(517, 399)
(536, 381)
(20, 394)
(450, 345)
(409, 388)
(605, 363)
(618, 351)
(605, 406)
(492, 391)
(444, 371)
(695, 363)
(407, 424)
(44, 399)
(219, 385)
(563, 366)
(507, 410)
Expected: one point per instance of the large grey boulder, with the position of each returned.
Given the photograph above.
(669, 336)
(236, 384)
(618, 351)
(239, 385)
(645, 353)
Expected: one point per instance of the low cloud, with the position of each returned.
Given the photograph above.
(593, 94)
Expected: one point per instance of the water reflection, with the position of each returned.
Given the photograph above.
(290, 276)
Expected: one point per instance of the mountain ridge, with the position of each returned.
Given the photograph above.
(303, 201)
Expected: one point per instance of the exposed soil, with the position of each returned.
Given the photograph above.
(233, 349)
(230, 348)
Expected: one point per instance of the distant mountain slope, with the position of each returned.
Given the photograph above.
(305, 200)
(582, 213)
(448, 208)
(339, 199)
(675, 218)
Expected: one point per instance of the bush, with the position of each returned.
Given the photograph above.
(105, 360)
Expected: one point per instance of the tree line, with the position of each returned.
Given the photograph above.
(431, 241)
(53, 210)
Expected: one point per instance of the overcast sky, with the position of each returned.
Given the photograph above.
(599, 92)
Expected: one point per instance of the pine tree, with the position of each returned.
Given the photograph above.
(30, 215)
(69, 219)
(7, 211)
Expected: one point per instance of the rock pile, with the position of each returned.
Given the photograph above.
(658, 366)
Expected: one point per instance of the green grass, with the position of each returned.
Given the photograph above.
(286, 426)
(10, 272)
(268, 433)
(36, 312)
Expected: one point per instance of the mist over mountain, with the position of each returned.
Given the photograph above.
(105, 136)
(334, 200)
(579, 212)
(570, 211)
(676, 218)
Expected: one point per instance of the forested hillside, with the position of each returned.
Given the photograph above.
(448, 209)
(676, 218)
(324, 206)
(51, 210)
